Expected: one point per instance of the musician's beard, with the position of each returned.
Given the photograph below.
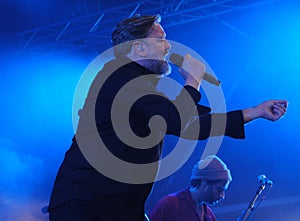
(159, 67)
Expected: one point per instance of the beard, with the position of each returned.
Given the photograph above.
(159, 67)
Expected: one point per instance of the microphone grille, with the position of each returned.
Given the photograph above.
(261, 178)
(176, 59)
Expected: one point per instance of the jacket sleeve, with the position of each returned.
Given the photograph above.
(184, 117)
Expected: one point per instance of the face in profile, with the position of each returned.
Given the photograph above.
(156, 49)
(215, 191)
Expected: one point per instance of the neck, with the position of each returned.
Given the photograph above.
(136, 59)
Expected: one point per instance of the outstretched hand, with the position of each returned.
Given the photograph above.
(271, 110)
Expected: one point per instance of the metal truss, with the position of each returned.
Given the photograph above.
(93, 29)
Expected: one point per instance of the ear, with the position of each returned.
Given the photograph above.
(139, 49)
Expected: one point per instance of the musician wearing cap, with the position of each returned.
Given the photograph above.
(209, 180)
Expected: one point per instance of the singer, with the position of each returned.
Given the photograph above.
(135, 134)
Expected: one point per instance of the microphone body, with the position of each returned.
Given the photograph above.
(262, 179)
(177, 59)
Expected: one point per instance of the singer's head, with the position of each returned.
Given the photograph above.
(142, 39)
(209, 180)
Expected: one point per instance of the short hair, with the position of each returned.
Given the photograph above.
(136, 27)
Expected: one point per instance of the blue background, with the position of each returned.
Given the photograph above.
(255, 53)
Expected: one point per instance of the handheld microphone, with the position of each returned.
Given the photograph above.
(177, 59)
(262, 179)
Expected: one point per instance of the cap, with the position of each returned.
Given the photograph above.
(211, 168)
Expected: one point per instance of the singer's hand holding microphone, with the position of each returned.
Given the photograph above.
(192, 70)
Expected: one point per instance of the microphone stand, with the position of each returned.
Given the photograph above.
(250, 208)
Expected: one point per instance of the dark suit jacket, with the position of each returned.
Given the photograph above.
(77, 179)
